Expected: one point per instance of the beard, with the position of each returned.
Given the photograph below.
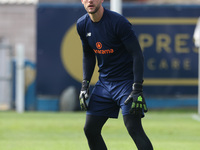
(95, 10)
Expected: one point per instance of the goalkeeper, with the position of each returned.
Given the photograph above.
(110, 38)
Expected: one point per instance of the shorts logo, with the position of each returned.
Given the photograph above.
(99, 45)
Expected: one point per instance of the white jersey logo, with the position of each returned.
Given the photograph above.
(88, 34)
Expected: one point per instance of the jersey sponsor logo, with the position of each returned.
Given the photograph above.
(99, 51)
(99, 45)
(108, 51)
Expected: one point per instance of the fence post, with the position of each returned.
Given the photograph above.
(19, 78)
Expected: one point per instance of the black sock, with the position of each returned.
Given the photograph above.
(92, 129)
(135, 129)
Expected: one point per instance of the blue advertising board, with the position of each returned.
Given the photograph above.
(165, 33)
(166, 37)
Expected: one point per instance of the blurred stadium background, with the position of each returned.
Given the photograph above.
(46, 29)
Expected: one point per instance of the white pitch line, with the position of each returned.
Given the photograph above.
(196, 117)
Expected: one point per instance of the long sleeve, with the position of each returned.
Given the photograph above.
(89, 59)
(133, 47)
(89, 62)
(127, 35)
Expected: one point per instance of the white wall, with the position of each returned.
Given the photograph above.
(18, 25)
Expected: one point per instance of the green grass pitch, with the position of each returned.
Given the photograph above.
(168, 130)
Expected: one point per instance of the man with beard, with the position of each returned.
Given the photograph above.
(110, 38)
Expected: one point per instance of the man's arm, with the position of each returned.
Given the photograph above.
(138, 106)
(89, 62)
(89, 59)
(127, 35)
(88, 69)
(132, 45)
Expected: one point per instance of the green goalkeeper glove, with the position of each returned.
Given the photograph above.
(84, 95)
(138, 102)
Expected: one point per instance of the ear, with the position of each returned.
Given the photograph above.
(82, 1)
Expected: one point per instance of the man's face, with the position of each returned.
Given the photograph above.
(92, 6)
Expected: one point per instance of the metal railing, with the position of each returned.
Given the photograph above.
(5, 76)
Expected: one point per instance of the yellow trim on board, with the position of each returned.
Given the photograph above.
(162, 21)
(171, 82)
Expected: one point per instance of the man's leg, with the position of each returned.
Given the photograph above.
(135, 129)
(92, 129)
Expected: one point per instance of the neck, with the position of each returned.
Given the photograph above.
(96, 17)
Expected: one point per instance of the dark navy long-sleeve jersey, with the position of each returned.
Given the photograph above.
(113, 41)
